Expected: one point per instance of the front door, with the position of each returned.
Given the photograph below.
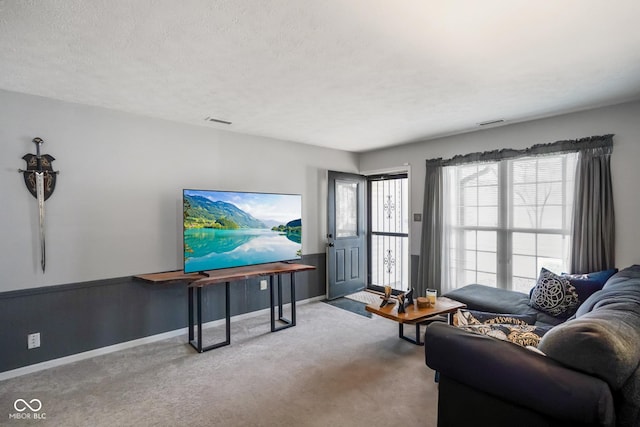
(346, 235)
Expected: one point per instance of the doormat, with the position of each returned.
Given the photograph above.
(350, 305)
(365, 297)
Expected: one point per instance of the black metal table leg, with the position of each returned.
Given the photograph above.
(197, 344)
(293, 300)
(227, 298)
(415, 341)
(279, 296)
(287, 323)
(190, 292)
(199, 314)
(272, 304)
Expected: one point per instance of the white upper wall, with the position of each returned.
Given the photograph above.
(622, 120)
(117, 206)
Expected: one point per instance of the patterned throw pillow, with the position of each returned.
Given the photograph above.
(465, 317)
(554, 295)
(516, 328)
(523, 335)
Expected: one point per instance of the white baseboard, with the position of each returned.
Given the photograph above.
(133, 343)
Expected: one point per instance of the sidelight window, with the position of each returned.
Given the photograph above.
(389, 231)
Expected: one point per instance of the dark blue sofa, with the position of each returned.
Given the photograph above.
(589, 374)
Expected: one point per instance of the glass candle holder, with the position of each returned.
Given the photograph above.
(432, 294)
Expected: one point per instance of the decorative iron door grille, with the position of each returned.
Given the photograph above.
(389, 231)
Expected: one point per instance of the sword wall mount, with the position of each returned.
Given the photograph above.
(40, 179)
(39, 163)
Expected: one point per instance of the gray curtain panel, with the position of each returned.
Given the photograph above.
(593, 227)
(430, 264)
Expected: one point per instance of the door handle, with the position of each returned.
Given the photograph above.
(330, 245)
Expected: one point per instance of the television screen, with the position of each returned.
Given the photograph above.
(223, 229)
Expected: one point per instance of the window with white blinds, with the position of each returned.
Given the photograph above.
(507, 219)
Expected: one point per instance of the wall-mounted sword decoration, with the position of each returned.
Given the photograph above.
(40, 179)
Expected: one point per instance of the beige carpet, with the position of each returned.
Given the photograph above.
(335, 368)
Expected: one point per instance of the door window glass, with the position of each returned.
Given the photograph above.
(346, 209)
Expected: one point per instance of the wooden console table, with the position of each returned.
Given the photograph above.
(196, 281)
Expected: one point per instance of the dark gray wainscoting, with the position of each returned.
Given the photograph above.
(79, 317)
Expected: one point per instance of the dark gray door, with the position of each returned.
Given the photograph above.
(346, 235)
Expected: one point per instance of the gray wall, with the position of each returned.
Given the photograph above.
(117, 209)
(621, 120)
(116, 212)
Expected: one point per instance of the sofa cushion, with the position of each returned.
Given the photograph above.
(588, 344)
(623, 277)
(623, 285)
(491, 299)
(554, 295)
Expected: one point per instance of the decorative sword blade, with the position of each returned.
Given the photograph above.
(40, 195)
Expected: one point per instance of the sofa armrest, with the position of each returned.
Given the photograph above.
(518, 375)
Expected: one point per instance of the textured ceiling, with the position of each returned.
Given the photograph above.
(348, 74)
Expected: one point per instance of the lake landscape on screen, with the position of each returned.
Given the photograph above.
(224, 229)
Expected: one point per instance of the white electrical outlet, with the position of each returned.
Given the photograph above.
(33, 340)
(263, 285)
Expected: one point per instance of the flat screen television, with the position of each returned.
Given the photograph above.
(224, 229)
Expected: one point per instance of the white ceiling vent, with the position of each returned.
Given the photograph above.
(491, 122)
(211, 119)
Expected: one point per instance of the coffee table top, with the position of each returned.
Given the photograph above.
(443, 305)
